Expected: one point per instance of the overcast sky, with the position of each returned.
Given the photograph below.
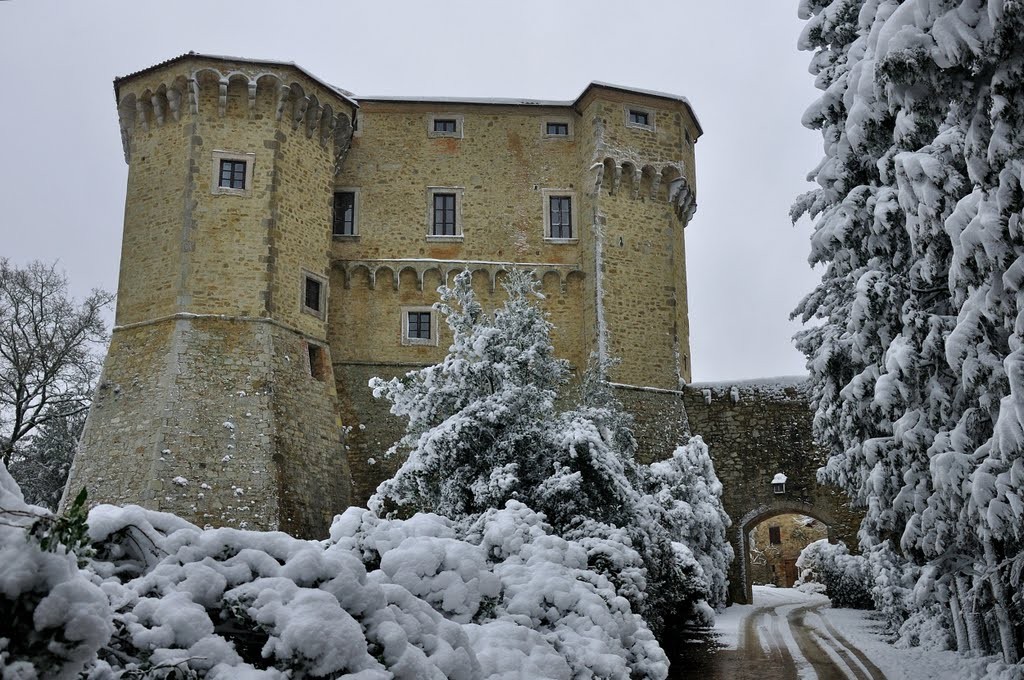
(62, 173)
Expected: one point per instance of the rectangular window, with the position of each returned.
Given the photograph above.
(445, 125)
(317, 367)
(560, 216)
(558, 129)
(444, 215)
(344, 213)
(418, 326)
(312, 295)
(232, 174)
(639, 117)
(775, 535)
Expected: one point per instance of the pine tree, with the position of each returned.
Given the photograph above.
(918, 223)
(483, 429)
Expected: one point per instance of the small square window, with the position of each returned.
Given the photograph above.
(775, 535)
(232, 174)
(560, 217)
(419, 326)
(444, 215)
(557, 129)
(444, 125)
(639, 117)
(344, 220)
(314, 294)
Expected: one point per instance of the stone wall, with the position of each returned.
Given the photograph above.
(755, 430)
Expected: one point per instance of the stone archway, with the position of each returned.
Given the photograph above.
(740, 577)
(754, 430)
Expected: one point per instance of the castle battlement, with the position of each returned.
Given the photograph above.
(284, 241)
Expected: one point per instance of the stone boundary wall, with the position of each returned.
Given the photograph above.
(755, 429)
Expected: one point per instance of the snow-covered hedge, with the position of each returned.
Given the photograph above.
(830, 568)
(419, 598)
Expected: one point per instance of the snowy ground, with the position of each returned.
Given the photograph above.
(790, 634)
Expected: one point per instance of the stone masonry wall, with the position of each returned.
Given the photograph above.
(753, 431)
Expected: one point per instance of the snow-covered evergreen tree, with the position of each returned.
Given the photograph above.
(484, 430)
(918, 389)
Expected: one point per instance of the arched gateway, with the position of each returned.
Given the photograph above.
(756, 430)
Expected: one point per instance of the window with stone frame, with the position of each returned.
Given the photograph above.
(344, 215)
(314, 294)
(419, 326)
(445, 222)
(775, 535)
(560, 217)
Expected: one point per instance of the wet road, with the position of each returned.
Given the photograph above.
(783, 639)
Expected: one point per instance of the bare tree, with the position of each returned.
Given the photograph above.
(48, 350)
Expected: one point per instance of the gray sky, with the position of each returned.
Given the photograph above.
(62, 173)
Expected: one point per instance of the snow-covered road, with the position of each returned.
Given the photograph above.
(790, 635)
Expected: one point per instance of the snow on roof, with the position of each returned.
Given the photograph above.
(501, 101)
(779, 478)
(352, 99)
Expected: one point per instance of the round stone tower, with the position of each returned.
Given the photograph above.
(217, 400)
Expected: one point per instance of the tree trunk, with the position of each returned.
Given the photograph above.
(1007, 635)
(975, 636)
(963, 645)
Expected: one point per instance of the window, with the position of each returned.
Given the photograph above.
(444, 213)
(419, 326)
(232, 173)
(317, 365)
(557, 129)
(314, 298)
(775, 535)
(560, 215)
(444, 125)
(344, 221)
(638, 117)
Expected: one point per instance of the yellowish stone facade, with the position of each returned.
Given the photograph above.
(228, 399)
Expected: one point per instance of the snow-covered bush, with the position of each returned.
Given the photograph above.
(483, 429)
(686, 487)
(405, 599)
(846, 578)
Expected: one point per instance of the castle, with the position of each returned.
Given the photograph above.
(283, 243)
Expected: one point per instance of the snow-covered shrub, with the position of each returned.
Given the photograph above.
(688, 490)
(846, 578)
(55, 615)
(483, 429)
(380, 599)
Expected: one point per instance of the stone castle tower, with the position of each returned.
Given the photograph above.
(283, 243)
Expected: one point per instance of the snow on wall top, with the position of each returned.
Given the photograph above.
(779, 387)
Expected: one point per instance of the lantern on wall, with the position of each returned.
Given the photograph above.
(779, 483)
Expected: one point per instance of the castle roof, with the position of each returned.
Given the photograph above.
(499, 101)
(344, 94)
